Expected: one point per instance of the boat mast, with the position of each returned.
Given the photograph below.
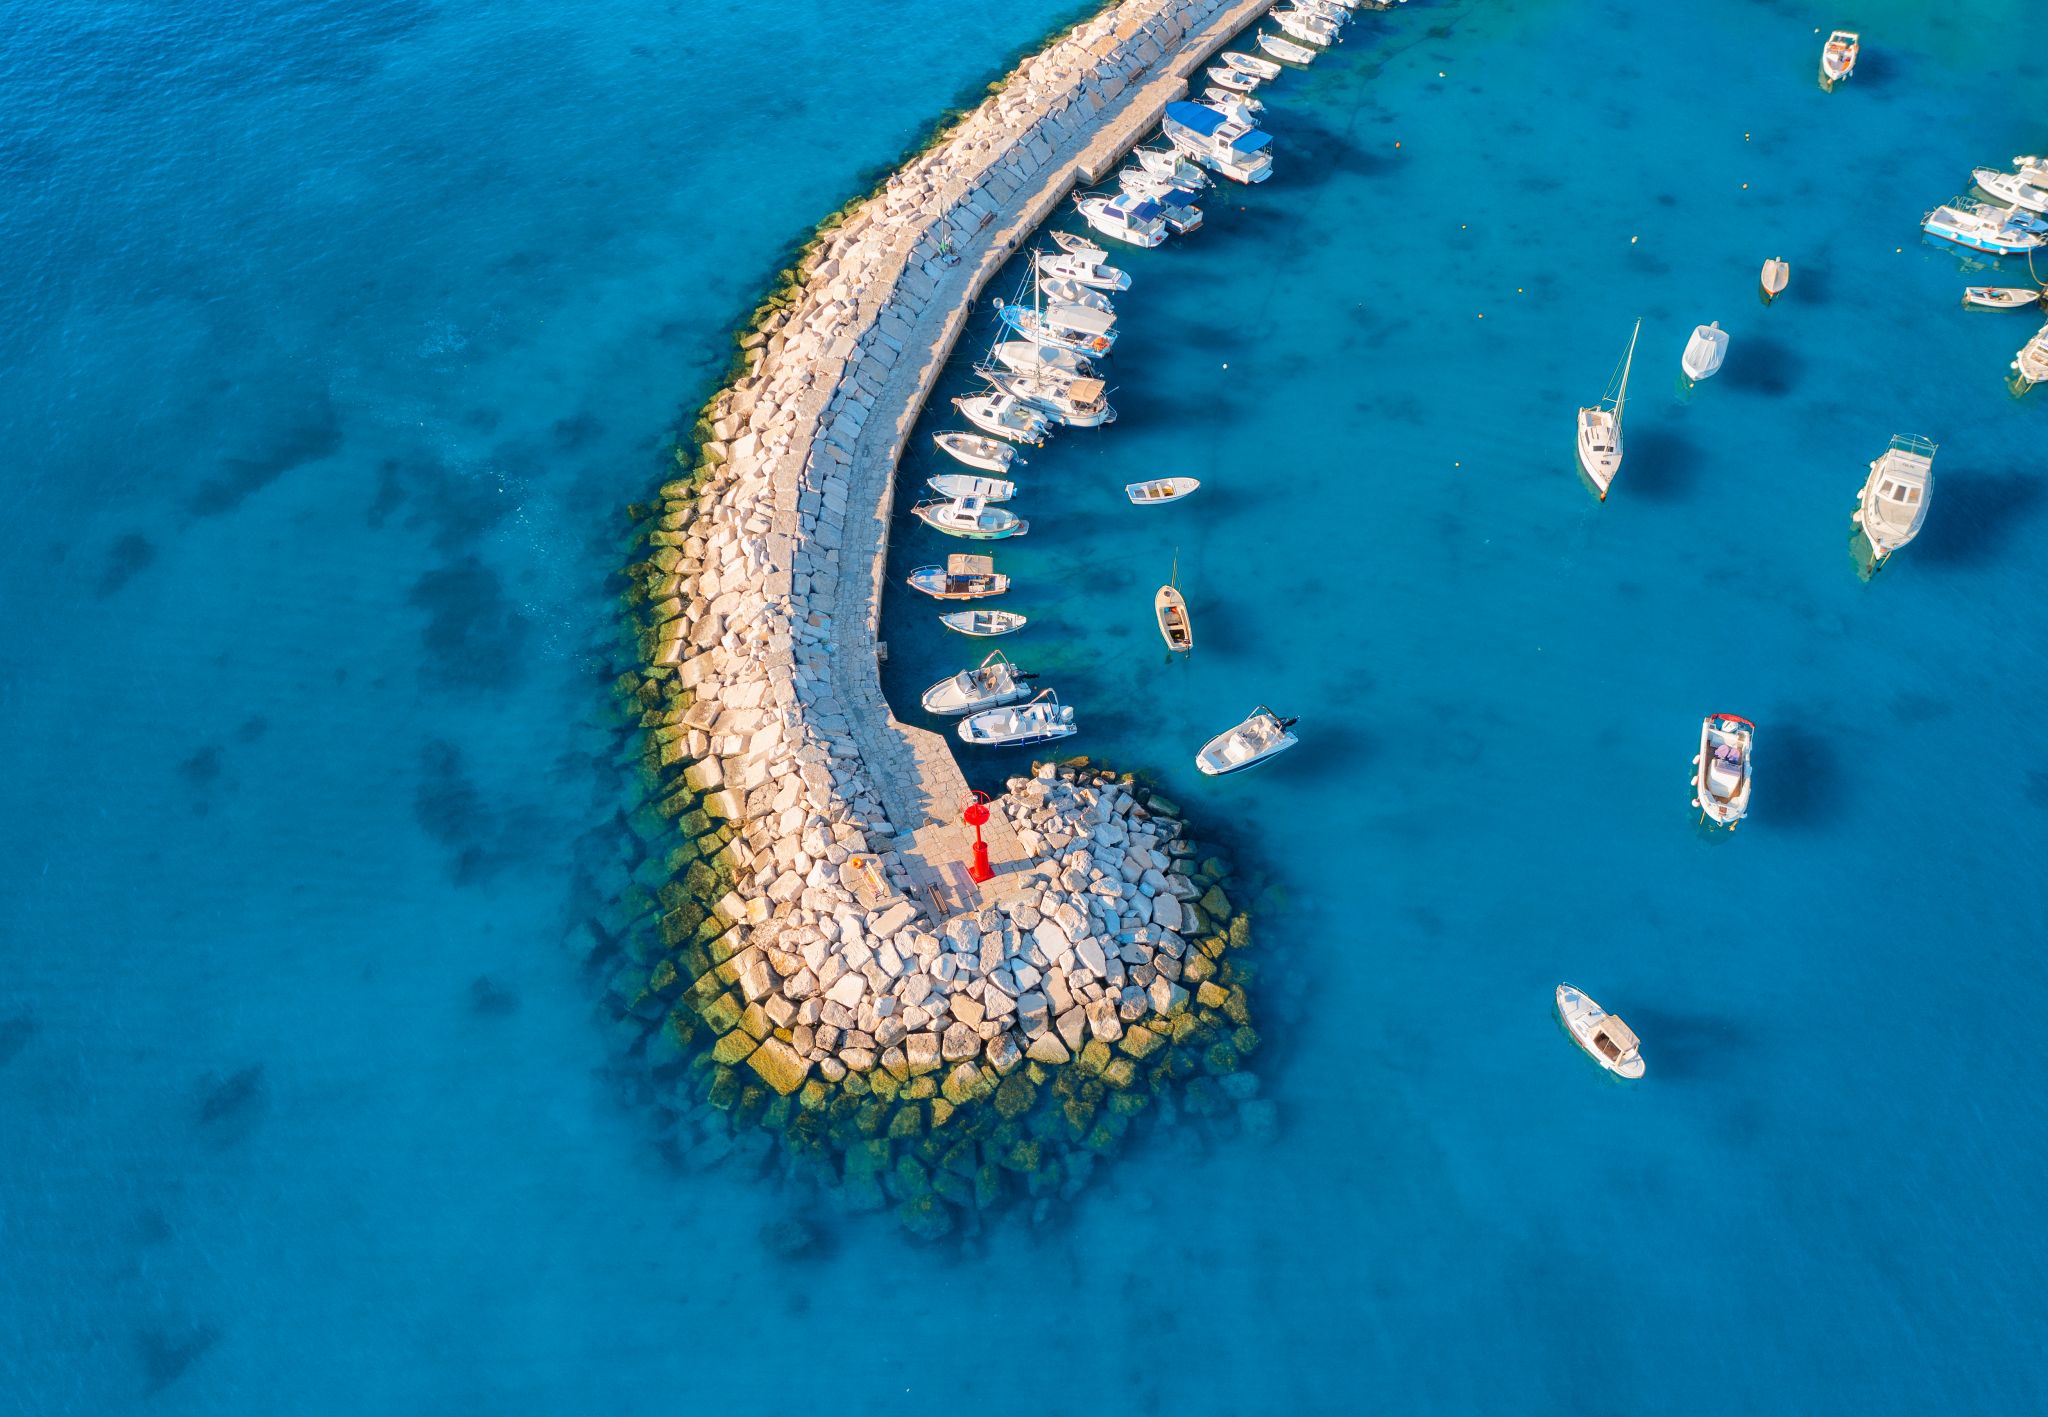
(1626, 363)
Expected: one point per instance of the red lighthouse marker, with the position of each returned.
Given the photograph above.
(976, 816)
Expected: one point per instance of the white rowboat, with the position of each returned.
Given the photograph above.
(983, 623)
(988, 454)
(1286, 49)
(2002, 297)
(955, 485)
(1159, 489)
(1251, 64)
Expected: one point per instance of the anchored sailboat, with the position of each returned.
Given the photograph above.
(1600, 427)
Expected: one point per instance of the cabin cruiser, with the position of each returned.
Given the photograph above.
(1042, 720)
(2032, 362)
(1704, 352)
(1126, 218)
(1720, 773)
(988, 454)
(1610, 1042)
(963, 577)
(1262, 736)
(1238, 151)
(1286, 49)
(1084, 271)
(971, 517)
(1998, 231)
(1078, 403)
(984, 624)
(1227, 101)
(1024, 357)
(1895, 495)
(1251, 64)
(1060, 291)
(1076, 245)
(993, 682)
(1838, 57)
(1141, 182)
(1168, 162)
(1004, 416)
(2011, 189)
(955, 485)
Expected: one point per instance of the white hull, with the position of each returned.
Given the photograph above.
(1043, 720)
(1083, 271)
(2002, 297)
(1583, 1020)
(983, 624)
(1172, 164)
(1160, 489)
(1720, 776)
(2008, 188)
(1102, 214)
(1704, 352)
(1004, 417)
(2032, 364)
(955, 485)
(988, 454)
(1599, 448)
(1072, 292)
(1259, 739)
(1286, 49)
(990, 684)
(1892, 507)
(1252, 64)
(1025, 357)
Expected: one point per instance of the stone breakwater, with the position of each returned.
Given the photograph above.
(810, 955)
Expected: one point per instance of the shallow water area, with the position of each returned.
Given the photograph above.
(345, 335)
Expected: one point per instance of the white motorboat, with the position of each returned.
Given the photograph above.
(1893, 502)
(970, 517)
(984, 624)
(1159, 489)
(955, 485)
(1168, 162)
(1305, 25)
(1005, 417)
(1238, 151)
(1139, 182)
(1600, 426)
(1078, 403)
(1132, 219)
(1261, 737)
(1610, 1042)
(1080, 270)
(1838, 57)
(1223, 76)
(2011, 189)
(1286, 49)
(1024, 357)
(1076, 245)
(991, 683)
(1043, 720)
(1074, 327)
(988, 454)
(1251, 64)
(1704, 352)
(1720, 774)
(2032, 363)
(1996, 231)
(963, 577)
(1776, 275)
(1241, 111)
(1061, 291)
(2002, 297)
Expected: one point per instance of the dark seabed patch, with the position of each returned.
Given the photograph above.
(166, 1354)
(252, 730)
(1806, 775)
(314, 436)
(1974, 516)
(475, 638)
(490, 999)
(229, 1106)
(127, 557)
(16, 1031)
(203, 767)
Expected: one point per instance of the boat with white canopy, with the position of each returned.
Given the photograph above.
(963, 577)
(955, 485)
(1082, 271)
(1261, 737)
(1058, 290)
(1607, 1040)
(993, 682)
(1720, 774)
(976, 450)
(1078, 403)
(2011, 189)
(1043, 720)
(1236, 150)
(1005, 417)
(1251, 64)
(970, 517)
(2032, 363)
(1124, 218)
(1024, 357)
(1893, 503)
(983, 624)
(1704, 352)
(1286, 49)
(1074, 327)
(1159, 489)
(1600, 426)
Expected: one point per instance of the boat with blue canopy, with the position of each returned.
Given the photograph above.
(1233, 148)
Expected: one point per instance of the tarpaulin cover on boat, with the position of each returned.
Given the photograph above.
(1080, 319)
(1195, 117)
(1618, 1033)
(1085, 391)
(1251, 142)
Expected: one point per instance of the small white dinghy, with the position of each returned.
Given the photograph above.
(1159, 489)
(1776, 275)
(1262, 736)
(1062, 291)
(2001, 297)
(1223, 76)
(1704, 352)
(1720, 774)
(1251, 64)
(988, 454)
(1168, 162)
(990, 684)
(970, 517)
(1080, 270)
(1610, 1042)
(1005, 417)
(1075, 245)
(1286, 49)
(963, 577)
(983, 624)
(1027, 358)
(955, 485)
(1043, 720)
(1893, 503)
(1305, 25)
(1125, 218)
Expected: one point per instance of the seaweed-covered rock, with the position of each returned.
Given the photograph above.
(927, 1217)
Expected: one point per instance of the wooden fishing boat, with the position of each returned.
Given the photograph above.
(955, 485)
(1838, 57)
(963, 577)
(2001, 297)
(970, 517)
(1159, 489)
(1261, 737)
(1607, 1040)
(1776, 275)
(1720, 774)
(1171, 610)
(976, 450)
(983, 623)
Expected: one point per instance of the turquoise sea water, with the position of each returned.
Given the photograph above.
(337, 337)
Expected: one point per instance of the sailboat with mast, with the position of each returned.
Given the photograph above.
(1600, 426)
